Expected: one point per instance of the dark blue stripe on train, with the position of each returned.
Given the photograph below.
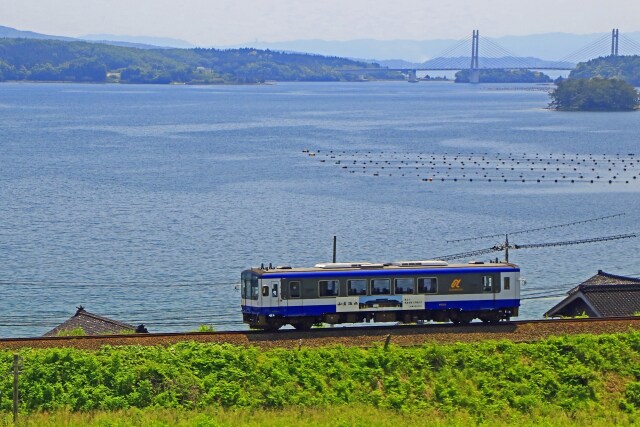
(317, 310)
(386, 272)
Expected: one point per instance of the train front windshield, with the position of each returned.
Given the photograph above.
(250, 288)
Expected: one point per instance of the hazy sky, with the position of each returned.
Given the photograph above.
(225, 22)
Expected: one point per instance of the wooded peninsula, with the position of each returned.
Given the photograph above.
(24, 59)
(54, 60)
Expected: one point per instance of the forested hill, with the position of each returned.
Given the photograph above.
(54, 60)
(626, 68)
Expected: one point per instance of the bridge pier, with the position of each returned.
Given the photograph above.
(474, 73)
(474, 76)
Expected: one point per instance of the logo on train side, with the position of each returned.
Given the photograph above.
(455, 285)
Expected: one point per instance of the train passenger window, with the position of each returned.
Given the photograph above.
(245, 288)
(487, 283)
(507, 283)
(294, 289)
(265, 291)
(404, 286)
(380, 286)
(357, 287)
(329, 288)
(274, 290)
(427, 285)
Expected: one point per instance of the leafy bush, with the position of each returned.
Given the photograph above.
(566, 374)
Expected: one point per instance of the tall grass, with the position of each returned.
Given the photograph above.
(335, 416)
(560, 378)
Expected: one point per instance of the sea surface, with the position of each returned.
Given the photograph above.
(144, 203)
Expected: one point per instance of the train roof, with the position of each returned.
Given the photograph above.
(388, 266)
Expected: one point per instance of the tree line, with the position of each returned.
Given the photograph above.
(595, 94)
(504, 76)
(53, 60)
(625, 68)
(601, 84)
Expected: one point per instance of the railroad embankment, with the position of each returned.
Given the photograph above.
(555, 378)
(405, 335)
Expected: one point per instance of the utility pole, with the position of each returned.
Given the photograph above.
(506, 248)
(334, 249)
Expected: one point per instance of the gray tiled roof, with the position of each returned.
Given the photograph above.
(91, 324)
(603, 278)
(609, 295)
(614, 301)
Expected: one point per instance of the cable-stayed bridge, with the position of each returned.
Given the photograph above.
(474, 54)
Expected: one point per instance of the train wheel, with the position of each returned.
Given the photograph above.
(460, 317)
(492, 318)
(303, 326)
(272, 326)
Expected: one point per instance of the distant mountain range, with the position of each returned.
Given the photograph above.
(125, 41)
(391, 53)
(550, 46)
(462, 62)
(149, 42)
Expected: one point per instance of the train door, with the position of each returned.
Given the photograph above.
(270, 293)
(492, 286)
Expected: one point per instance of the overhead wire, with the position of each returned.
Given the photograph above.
(600, 45)
(530, 230)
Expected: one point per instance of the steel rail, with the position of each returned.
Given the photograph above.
(292, 334)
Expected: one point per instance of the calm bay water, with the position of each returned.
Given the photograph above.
(144, 203)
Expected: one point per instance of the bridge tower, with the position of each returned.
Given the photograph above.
(614, 42)
(474, 72)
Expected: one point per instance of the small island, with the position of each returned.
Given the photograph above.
(595, 94)
(504, 76)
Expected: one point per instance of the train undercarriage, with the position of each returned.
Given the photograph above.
(455, 316)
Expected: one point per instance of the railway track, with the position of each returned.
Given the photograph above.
(405, 335)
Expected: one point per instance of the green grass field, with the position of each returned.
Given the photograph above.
(573, 380)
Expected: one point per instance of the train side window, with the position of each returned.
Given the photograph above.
(294, 289)
(507, 283)
(427, 285)
(255, 287)
(245, 288)
(487, 283)
(274, 290)
(404, 286)
(357, 287)
(380, 286)
(265, 290)
(329, 288)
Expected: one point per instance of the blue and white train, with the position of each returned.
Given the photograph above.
(404, 291)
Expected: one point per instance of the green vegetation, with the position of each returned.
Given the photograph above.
(504, 76)
(339, 416)
(556, 378)
(625, 68)
(594, 94)
(52, 60)
(77, 332)
(206, 328)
